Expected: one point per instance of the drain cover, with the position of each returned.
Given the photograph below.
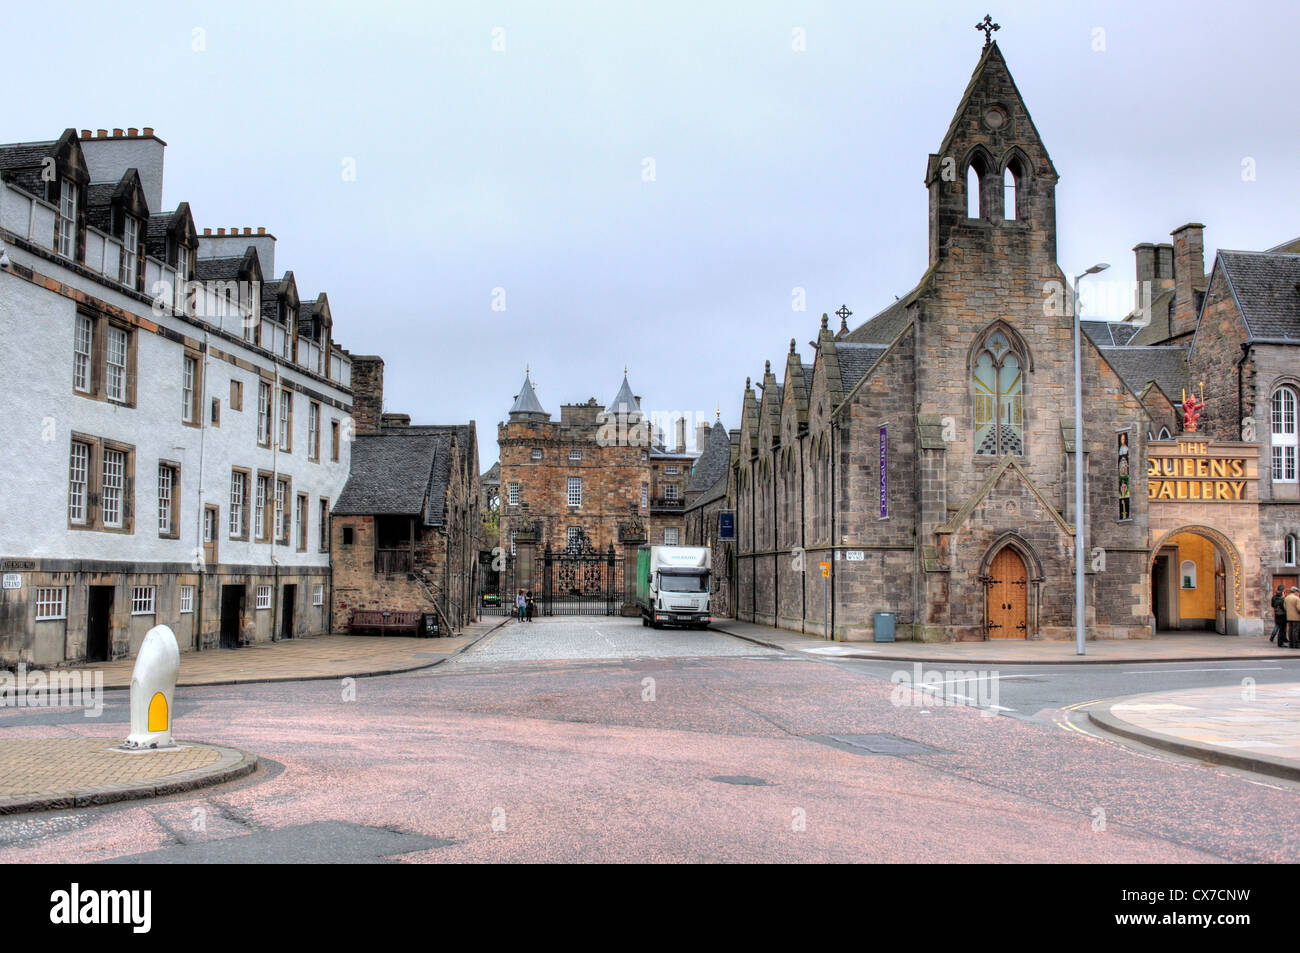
(879, 744)
(738, 779)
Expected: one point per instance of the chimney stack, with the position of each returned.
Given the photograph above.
(1189, 277)
(681, 434)
(367, 394)
(701, 435)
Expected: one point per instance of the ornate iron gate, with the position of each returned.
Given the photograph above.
(496, 586)
(579, 579)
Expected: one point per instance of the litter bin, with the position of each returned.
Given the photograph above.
(884, 626)
(430, 624)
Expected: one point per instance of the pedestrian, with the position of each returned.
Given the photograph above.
(1293, 617)
(530, 607)
(1279, 617)
(520, 604)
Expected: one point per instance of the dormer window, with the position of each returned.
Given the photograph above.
(65, 224)
(130, 249)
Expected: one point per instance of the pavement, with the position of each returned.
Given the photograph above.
(1256, 727)
(41, 774)
(1172, 647)
(315, 657)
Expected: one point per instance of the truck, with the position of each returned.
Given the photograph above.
(672, 585)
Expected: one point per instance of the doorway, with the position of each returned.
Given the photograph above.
(286, 611)
(232, 613)
(1007, 596)
(99, 624)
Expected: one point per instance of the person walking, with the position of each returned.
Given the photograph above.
(1292, 603)
(1279, 617)
(529, 607)
(520, 605)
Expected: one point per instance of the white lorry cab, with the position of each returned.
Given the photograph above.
(672, 585)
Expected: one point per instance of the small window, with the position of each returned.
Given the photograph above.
(575, 455)
(1187, 573)
(972, 192)
(512, 494)
(238, 493)
(1009, 195)
(116, 377)
(672, 471)
(130, 250)
(187, 599)
(51, 603)
(82, 347)
(575, 491)
(536, 454)
(670, 491)
(1289, 551)
(324, 517)
(259, 512)
(263, 597)
(347, 535)
(318, 594)
(167, 500)
(236, 395)
(512, 545)
(210, 520)
(78, 473)
(573, 536)
(282, 510)
(670, 537)
(65, 225)
(334, 441)
(300, 516)
(645, 495)
(114, 486)
(313, 431)
(286, 421)
(142, 600)
(264, 413)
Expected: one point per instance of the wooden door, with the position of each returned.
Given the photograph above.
(1008, 596)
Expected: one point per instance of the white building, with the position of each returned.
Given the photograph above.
(171, 448)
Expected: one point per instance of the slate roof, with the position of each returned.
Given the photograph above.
(1266, 286)
(211, 268)
(712, 463)
(493, 475)
(882, 328)
(624, 401)
(397, 474)
(24, 155)
(1139, 366)
(1109, 333)
(526, 401)
(855, 360)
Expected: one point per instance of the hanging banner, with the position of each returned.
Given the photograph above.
(884, 471)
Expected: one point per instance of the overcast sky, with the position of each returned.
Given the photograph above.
(773, 168)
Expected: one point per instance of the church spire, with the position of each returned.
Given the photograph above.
(526, 401)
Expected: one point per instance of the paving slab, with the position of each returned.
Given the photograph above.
(1174, 647)
(41, 774)
(1250, 726)
(315, 657)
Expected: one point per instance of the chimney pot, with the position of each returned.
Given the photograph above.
(101, 133)
(85, 134)
(132, 132)
(261, 231)
(148, 130)
(117, 133)
(247, 230)
(207, 231)
(221, 231)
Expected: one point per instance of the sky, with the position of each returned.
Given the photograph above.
(580, 187)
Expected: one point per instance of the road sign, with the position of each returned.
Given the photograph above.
(826, 570)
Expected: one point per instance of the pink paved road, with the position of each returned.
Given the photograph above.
(573, 765)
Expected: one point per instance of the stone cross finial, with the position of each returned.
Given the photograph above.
(988, 26)
(825, 320)
(844, 314)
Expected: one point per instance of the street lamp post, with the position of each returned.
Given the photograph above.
(1079, 601)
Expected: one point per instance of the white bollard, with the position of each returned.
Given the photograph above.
(153, 690)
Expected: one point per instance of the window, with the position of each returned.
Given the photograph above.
(318, 594)
(512, 545)
(116, 379)
(300, 514)
(210, 521)
(114, 488)
(167, 498)
(264, 413)
(670, 536)
(237, 395)
(1187, 574)
(575, 491)
(187, 599)
(189, 396)
(238, 493)
(575, 455)
(512, 494)
(334, 441)
(130, 250)
(78, 478)
(1283, 430)
(999, 398)
(286, 421)
(972, 192)
(324, 517)
(313, 431)
(672, 471)
(645, 495)
(347, 535)
(1289, 551)
(182, 297)
(281, 514)
(573, 536)
(260, 514)
(1008, 195)
(51, 603)
(263, 597)
(670, 491)
(81, 349)
(65, 224)
(142, 599)
(536, 454)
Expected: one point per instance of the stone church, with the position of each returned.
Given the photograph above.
(926, 458)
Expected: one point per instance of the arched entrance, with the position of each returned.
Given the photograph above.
(1196, 582)
(1007, 596)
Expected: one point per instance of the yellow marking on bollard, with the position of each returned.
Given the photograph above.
(158, 712)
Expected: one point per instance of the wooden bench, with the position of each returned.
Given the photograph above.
(384, 621)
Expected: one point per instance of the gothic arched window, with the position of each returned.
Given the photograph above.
(972, 192)
(999, 398)
(1009, 195)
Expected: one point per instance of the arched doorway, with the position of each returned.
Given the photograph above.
(1006, 596)
(1196, 582)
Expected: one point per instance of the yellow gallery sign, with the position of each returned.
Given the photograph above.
(1200, 470)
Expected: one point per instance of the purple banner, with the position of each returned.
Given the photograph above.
(884, 471)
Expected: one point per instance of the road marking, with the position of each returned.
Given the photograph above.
(1263, 668)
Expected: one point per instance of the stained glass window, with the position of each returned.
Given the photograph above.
(999, 399)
